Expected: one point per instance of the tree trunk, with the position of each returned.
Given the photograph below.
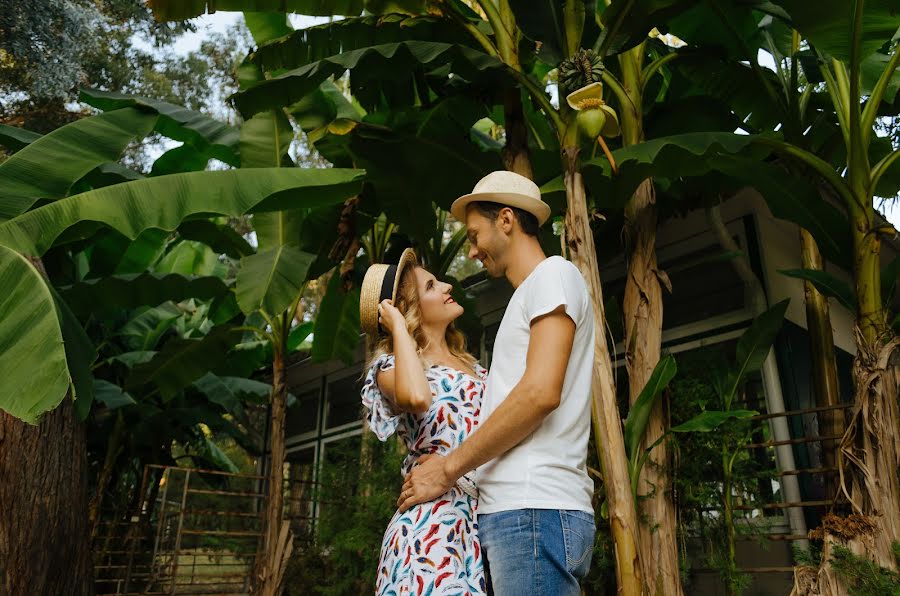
(268, 566)
(44, 542)
(642, 307)
(643, 311)
(515, 152)
(824, 366)
(870, 458)
(604, 410)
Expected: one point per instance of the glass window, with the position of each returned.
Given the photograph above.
(344, 405)
(299, 491)
(303, 416)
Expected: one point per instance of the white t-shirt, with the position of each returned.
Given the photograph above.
(548, 469)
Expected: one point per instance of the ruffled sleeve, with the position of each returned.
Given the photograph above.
(380, 414)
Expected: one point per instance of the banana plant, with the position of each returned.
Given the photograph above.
(751, 351)
(63, 199)
(857, 67)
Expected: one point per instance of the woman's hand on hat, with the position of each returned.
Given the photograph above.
(390, 318)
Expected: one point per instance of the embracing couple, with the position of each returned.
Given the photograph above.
(496, 497)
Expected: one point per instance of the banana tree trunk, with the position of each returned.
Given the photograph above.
(642, 306)
(824, 367)
(515, 152)
(604, 410)
(44, 541)
(869, 454)
(269, 567)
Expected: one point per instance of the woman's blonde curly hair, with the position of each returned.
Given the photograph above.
(407, 303)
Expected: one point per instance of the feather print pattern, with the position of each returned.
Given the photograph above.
(432, 549)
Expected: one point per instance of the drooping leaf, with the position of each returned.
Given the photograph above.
(336, 332)
(827, 284)
(180, 362)
(754, 345)
(272, 280)
(639, 414)
(795, 200)
(322, 41)
(180, 10)
(138, 256)
(136, 206)
(667, 157)
(266, 26)
(132, 291)
(710, 420)
(110, 395)
(219, 237)
(401, 150)
(49, 166)
(185, 158)
(326, 111)
(32, 354)
(213, 137)
(871, 70)
(80, 355)
(143, 331)
(14, 138)
(299, 334)
(827, 24)
(727, 27)
(381, 64)
(191, 258)
(212, 456)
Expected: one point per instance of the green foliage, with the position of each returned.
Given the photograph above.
(337, 323)
(50, 165)
(701, 469)
(357, 500)
(863, 575)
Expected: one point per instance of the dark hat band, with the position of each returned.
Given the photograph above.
(387, 288)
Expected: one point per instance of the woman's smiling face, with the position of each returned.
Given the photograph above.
(435, 302)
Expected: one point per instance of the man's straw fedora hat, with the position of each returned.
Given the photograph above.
(380, 283)
(506, 188)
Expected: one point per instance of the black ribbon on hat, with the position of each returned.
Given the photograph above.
(387, 288)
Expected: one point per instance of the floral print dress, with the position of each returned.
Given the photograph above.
(432, 548)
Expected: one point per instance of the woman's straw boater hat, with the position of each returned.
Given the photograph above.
(381, 283)
(506, 188)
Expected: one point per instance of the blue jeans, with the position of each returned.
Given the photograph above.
(536, 552)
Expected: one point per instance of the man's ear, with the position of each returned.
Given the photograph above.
(506, 219)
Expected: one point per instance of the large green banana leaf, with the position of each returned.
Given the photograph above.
(181, 361)
(337, 323)
(828, 24)
(382, 66)
(165, 201)
(32, 355)
(15, 138)
(220, 237)
(49, 166)
(208, 135)
(266, 26)
(132, 291)
(179, 10)
(272, 280)
(312, 44)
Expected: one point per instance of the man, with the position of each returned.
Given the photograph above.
(535, 517)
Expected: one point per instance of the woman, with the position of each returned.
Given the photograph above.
(424, 385)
